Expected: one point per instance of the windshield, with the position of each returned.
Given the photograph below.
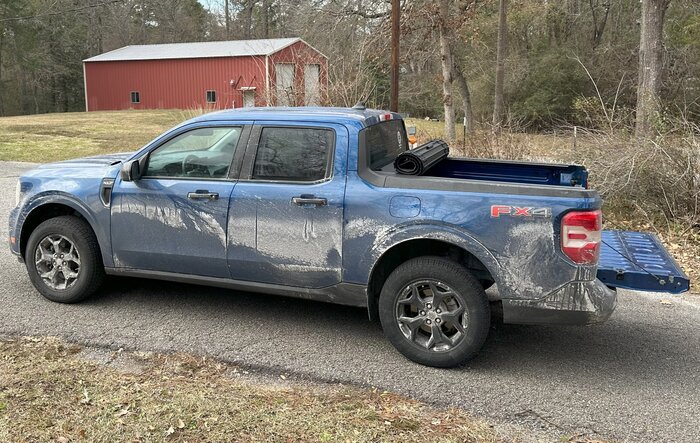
(384, 142)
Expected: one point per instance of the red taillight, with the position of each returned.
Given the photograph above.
(580, 236)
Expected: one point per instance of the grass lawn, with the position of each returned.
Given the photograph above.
(59, 392)
(52, 137)
(61, 136)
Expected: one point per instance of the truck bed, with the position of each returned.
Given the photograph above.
(454, 170)
(510, 171)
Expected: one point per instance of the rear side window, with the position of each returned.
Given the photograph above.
(384, 142)
(293, 154)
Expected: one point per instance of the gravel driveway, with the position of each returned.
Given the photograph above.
(635, 378)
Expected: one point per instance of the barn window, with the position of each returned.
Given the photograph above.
(135, 97)
(211, 96)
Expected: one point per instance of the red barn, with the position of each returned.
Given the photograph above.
(217, 75)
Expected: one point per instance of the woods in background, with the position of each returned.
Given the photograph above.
(528, 64)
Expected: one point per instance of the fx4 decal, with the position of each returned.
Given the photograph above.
(515, 211)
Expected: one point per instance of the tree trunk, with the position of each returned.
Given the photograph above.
(265, 16)
(447, 66)
(466, 99)
(650, 65)
(227, 18)
(498, 104)
(248, 18)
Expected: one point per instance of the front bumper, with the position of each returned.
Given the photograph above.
(576, 303)
(14, 232)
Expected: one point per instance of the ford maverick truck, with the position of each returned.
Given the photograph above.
(308, 202)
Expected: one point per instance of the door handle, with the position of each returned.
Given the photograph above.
(306, 199)
(201, 194)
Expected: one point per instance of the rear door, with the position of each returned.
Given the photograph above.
(638, 260)
(286, 214)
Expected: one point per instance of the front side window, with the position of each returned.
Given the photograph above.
(200, 153)
(211, 96)
(293, 154)
(135, 97)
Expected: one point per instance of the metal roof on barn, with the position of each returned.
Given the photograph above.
(169, 51)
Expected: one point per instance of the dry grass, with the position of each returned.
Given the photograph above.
(52, 137)
(50, 391)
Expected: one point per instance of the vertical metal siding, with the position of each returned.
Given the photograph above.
(300, 54)
(182, 83)
(172, 84)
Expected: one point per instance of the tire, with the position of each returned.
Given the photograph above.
(438, 336)
(78, 271)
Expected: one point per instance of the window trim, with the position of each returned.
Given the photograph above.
(234, 167)
(252, 152)
(138, 97)
(206, 95)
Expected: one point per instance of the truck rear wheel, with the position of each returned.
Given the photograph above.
(434, 312)
(63, 259)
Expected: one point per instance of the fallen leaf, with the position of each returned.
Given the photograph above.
(170, 431)
(666, 302)
(180, 424)
(122, 412)
(86, 397)
(283, 377)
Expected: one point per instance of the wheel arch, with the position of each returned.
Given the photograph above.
(50, 206)
(448, 243)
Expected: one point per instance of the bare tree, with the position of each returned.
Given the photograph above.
(447, 65)
(466, 98)
(498, 105)
(599, 23)
(650, 64)
(227, 19)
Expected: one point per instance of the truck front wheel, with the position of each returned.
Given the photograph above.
(434, 312)
(63, 259)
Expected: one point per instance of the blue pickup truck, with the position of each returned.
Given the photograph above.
(307, 202)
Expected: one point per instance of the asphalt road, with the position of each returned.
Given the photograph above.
(635, 378)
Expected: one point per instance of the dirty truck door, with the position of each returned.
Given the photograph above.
(174, 218)
(638, 260)
(286, 211)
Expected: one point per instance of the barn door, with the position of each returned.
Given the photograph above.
(248, 99)
(285, 84)
(312, 83)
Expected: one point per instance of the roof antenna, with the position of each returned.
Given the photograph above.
(360, 106)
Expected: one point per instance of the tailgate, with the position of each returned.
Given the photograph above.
(637, 260)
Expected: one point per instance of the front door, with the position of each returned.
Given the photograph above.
(286, 215)
(249, 98)
(174, 218)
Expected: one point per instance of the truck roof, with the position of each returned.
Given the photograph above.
(365, 117)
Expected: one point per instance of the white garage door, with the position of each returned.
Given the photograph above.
(312, 85)
(285, 83)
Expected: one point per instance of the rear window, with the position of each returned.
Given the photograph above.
(384, 142)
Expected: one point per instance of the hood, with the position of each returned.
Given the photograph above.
(87, 162)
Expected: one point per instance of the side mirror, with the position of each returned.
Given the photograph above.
(131, 171)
